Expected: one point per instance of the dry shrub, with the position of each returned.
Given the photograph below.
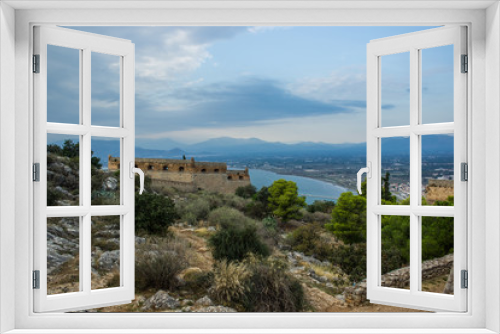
(193, 209)
(158, 262)
(272, 288)
(230, 282)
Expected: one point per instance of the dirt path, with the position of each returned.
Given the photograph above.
(201, 256)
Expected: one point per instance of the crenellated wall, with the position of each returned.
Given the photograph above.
(189, 175)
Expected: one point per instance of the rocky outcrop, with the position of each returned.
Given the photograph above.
(161, 300)
(62, 241)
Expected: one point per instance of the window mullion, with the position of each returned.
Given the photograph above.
(86, 242)
(414, 169)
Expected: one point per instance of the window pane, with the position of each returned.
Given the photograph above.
(437, 84)
(63, 170)
(105, 90)
(395, 89)
(437, 254)
(437, 169)
(395, 170)
(63, 85)
(63, 260)
(105, 180)
(395, 252)
(105, 252)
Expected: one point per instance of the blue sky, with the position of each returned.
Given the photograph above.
(287, 84)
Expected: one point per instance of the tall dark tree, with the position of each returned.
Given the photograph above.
(386, 191)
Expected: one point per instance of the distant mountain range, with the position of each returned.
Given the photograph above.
(253, 147)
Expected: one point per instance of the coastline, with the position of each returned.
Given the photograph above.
(312, 188)
(344, 185)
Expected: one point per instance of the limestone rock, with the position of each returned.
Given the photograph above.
(109, 259)
(110, 183)
(161, 300)
(140, 241)
(215, 309)
(205, 301)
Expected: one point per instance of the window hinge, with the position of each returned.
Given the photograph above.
(464, 279)
(36, 172)
(465, 64)
(36, 63)
(36, 279)
(464, 171)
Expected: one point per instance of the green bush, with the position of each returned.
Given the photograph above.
(270, 223)
(351, 259)
(321, 206)
(234, 240)
(284, 200)
(349, 219)
(246, 191)
(153, 213)
(226, 216)
(307, 239)
(391, 259)
(199, 283)
(199, 207)
(257, 210)
(396, 234)
(234, 201)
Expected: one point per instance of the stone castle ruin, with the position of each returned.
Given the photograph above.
(189, 175)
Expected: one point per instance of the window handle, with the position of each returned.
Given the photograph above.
(368, 171)
(134, 170)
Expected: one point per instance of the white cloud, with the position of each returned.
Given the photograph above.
(262, 29)
(343, 84)
(338, 128)
(104, 103)
(176, 56)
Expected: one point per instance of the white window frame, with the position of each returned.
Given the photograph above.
(413, 44)
(86, 44)
(484, 211)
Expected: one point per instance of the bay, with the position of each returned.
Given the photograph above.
(310, 188)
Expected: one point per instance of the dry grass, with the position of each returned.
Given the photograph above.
(199, 254)
(436, 284)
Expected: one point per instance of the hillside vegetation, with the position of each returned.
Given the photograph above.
(259, 250)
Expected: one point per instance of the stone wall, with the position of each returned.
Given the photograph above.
(219, 183)
(400, 278)
(189, 175)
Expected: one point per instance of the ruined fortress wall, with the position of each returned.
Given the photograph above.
(170, 176)
(192, 182)
(182, 186)
(238, 175)
(189, 175)
(400, 278)
(218, 183)
(172, 165)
